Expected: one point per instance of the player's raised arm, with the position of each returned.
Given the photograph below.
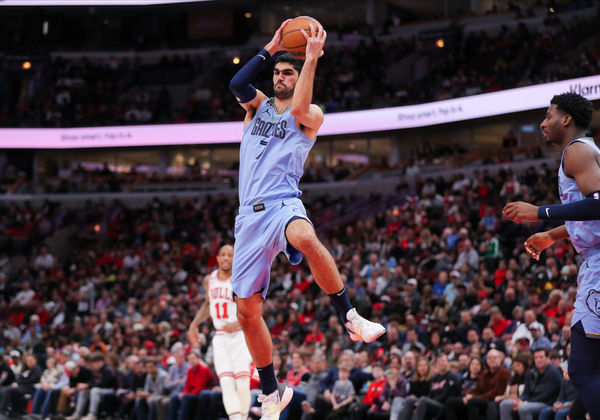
(247, 95)
(307, 114)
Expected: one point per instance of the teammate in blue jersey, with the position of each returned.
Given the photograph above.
(579, 187)
(278, 135)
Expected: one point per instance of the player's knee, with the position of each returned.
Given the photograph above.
(248, 314)
(305, 241)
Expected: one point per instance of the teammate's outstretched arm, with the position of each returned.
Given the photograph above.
(306, 113)
(247, 95)
(580, 163)
(535, 244)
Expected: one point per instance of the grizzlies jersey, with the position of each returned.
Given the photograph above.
(272, 156)
(223, 309)
(585, 237)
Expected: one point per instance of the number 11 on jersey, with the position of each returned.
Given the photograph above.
(224, 314)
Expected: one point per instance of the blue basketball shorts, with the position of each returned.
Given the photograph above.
(587, 303)
(259, 237)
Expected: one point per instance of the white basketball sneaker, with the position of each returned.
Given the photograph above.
(362, 329)
(274, 403)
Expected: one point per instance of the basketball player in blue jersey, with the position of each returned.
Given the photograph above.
(579, 187)
(278, 135)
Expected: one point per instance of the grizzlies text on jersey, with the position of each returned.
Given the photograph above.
(272, 156)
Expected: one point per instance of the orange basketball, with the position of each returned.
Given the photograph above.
(293, 40)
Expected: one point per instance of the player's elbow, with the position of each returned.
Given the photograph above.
(234, 84)
(298, 111)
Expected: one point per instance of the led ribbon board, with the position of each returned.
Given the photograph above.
(381, 119)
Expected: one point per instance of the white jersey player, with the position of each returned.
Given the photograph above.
(231, 356)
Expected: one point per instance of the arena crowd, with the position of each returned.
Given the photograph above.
(476, 327)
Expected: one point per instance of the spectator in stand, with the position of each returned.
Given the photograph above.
(14, 397)
(396, 386)
(489, 342)
(104, 380)
(155, 387)
(497, 322)
(522, 330)
(358, 410)
(466, 324)
(455, 406)
(540, 341)
(298, 373)
(53, 379)
(129, 384)
(466, 256)
(7, 376)
(542, 385)
(198, 379)
(79, 380)
(25, 297)
(516, 382)
(444, 384)
(562, 406)
(412, 342)
(490, 383)
(421, 388)
(342, 394)
(45, 260)
(358, 376)
(373, 264)
(315, 334)
(409, 365)
(318, 372)
(174, 383)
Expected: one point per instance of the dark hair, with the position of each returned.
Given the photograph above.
(96, 357)
(524, 358)
(288, 58)
(545, 350)
(441, 355)
(484, 366)
(578, 107)
(554, 354)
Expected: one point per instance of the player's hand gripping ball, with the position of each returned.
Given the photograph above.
(292, 38)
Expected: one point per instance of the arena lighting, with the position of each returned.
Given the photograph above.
(94, 2)
(373, 120)
(26, 65)
(440, 43)
(236, 60)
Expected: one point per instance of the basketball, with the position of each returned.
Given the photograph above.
(293, 40)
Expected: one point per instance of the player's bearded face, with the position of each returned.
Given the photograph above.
(283, 90)
(284, 80)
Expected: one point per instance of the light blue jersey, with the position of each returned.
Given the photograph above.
(272, 156)
(585, 237)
